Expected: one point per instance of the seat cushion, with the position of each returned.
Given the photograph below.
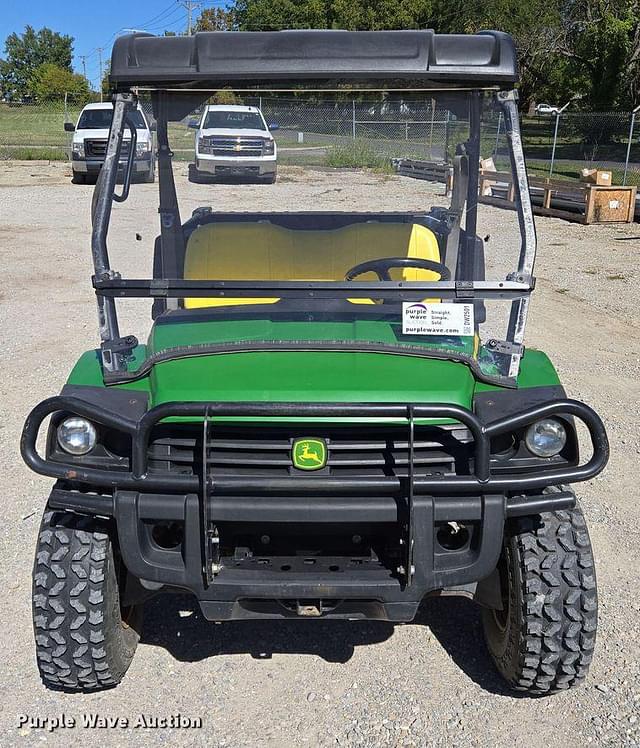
(263, 251)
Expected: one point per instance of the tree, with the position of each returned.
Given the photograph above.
(50, 81)
(105, 86)
(589, 48)
(601, 50)
(216, 19)
(25, 53)
(225, 96)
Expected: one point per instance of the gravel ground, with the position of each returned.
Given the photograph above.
(317, 683)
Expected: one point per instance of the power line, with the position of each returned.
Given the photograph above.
(99, 50)
(169, 20)
(164, 20)
(190, 5)
(157, 17)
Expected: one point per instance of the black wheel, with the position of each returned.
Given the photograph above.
(194, 175)
(79, 177)
(543, 639)
(271, 179)
(85, 640)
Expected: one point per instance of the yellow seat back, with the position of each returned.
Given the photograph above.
(263, 251)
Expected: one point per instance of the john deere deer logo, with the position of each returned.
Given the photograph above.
(309, 454)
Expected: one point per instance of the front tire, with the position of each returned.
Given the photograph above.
(543, 640)
(195, 176)
(85, 641)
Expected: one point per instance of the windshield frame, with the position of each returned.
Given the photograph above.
(109, 285)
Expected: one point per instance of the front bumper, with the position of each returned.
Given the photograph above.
(141, 164)
(243, 166)
(415, 507)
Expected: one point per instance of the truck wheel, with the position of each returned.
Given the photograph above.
(85, 640)
(194, 175)
(543, 639)
(79, 177)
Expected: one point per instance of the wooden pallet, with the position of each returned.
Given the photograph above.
(572, 201)
(431, 171)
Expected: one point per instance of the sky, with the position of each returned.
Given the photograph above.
(95, 24)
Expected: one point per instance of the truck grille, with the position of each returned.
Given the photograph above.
(362, 451)
(98, 148)
(247, 147)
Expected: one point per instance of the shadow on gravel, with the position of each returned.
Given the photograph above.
(175, 623)
(456, 624)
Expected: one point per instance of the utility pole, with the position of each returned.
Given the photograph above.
(99, 50)
(83, 59)
(190, 6)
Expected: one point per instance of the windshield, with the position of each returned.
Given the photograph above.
(378, 224)
(233, 120)
(100, 119)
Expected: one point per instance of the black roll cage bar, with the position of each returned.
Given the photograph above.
(109, 285)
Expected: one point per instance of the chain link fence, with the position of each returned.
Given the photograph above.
(313, 131)
(391, 129)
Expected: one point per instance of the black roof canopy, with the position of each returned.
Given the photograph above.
(260, 59)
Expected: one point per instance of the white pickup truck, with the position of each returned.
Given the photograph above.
(89, 143)
(233, 141)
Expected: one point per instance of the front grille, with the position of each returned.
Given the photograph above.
(247, 147)
(375, 451)
(98, 147)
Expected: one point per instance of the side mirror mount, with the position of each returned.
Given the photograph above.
(274, 126)
(153, 126)
(69, 127)
(193, 124)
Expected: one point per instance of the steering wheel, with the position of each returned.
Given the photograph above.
(382, 266)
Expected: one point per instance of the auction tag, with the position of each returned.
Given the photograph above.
(437, 319)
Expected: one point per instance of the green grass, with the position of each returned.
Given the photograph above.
(572, 173)
(33, 153)
(357, 155)
(35, 125)
(304, 158)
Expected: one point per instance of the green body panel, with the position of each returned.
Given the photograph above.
(536, 370)
(165, 336)
(88, 371)
(312, 377)
(303, 376)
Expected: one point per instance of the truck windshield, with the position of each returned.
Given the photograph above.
(230, 119)
(100, 119)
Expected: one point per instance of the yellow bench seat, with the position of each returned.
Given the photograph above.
(263, 251)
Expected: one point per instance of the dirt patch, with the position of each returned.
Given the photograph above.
(324, 684)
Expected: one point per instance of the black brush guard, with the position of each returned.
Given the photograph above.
(202, 500)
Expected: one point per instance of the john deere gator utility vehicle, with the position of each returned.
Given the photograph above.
(334, 415)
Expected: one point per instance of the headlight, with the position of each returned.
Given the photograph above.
(546, 437)
(78, 148)
(142, 148)
(77, 436)
(269, 148)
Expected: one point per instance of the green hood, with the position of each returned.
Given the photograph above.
(303, 375)
(312, 377)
